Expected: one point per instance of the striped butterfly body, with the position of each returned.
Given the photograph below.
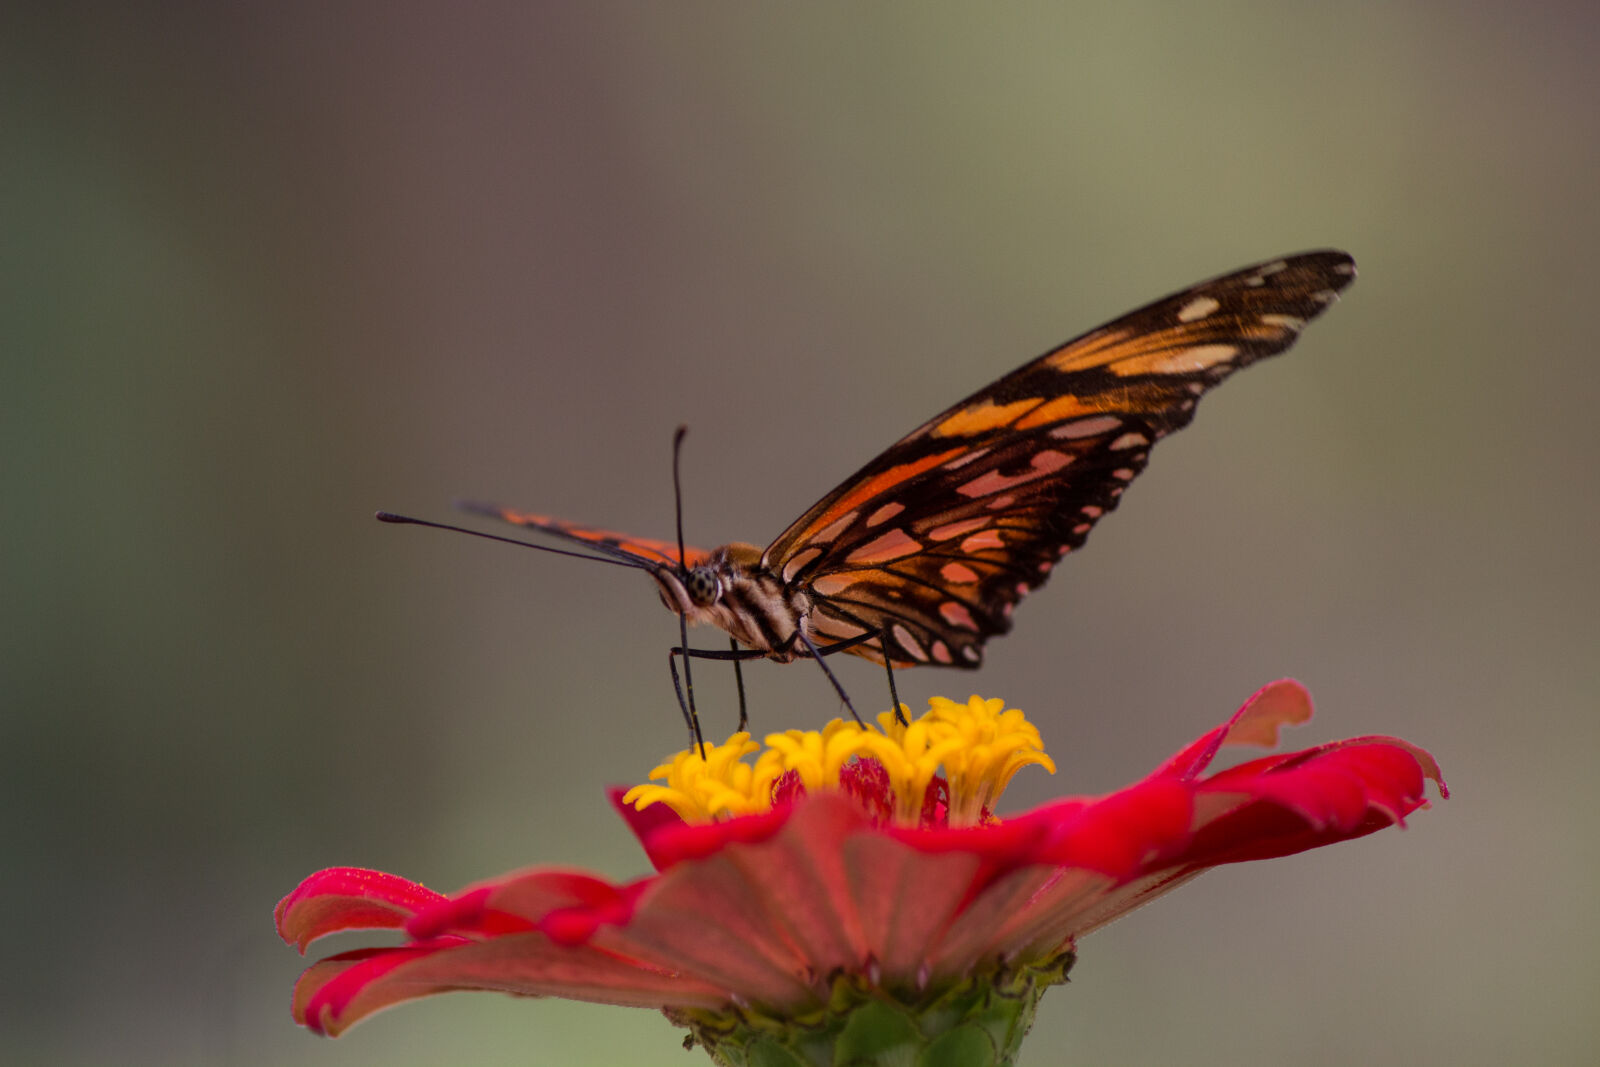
(921, 555)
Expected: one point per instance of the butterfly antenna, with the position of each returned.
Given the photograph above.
(406, 520)
(683, 569)
(677, 494)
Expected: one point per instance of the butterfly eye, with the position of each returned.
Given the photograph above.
(702, 585)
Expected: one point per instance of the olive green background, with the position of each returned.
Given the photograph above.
(267, 268)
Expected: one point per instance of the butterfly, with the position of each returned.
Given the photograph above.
(921, 555)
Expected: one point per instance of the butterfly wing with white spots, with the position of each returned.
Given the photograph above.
(935, 541)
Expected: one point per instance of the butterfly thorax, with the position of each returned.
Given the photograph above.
(732, 591)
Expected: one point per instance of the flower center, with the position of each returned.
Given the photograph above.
(892, 770)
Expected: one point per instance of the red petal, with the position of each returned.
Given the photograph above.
(349, 898)
(324, 992)
(567, 905)
(671, 844)
(466, 915)
(761, 918)
(1005, 918)
(338, 992)
(775, 919)
(1124, 832)
(1274, 705)
(645, 823)
(1283, 805)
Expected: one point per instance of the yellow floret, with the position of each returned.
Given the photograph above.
(979, 745)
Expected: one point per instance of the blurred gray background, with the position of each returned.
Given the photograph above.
(270, 267)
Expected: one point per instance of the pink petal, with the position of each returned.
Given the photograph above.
(1277, 807)
(705, 919)
(569, 906)
(539, 899)
(1122, 833)
(671, 843)
(325, 990)
(1009, 913)
(349, 898)
(830, 890)
(645, 823)
(1276, 704)
(338, 992)
(906, 899)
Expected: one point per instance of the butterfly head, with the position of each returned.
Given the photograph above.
(728, 589)
(703, 585)
(693, 591)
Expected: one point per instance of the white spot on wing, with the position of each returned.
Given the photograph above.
(909, 643)
(1095, 424)
(1046, 462)
(885, 513)
(957, 615)
(979, 541)
(834, 584)
(956, 529)
(891, 545)
(835, 528)
(958, 573)
(832, 627)
(800, 559)
(1129, 440)
(963, 460)
(1288, 322)
(1198, 308)
(1200, 357)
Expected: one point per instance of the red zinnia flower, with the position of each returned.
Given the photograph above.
(840, 895)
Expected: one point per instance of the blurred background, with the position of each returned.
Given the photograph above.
(270, 267)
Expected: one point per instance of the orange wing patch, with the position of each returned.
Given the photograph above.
(1066, 406)
(639, 547)
(985, 416)
(874, 486)
(1099, 348)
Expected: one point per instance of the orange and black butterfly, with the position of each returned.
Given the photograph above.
(921, 555)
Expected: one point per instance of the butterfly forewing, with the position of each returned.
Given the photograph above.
(935, 541)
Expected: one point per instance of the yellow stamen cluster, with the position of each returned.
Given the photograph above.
(979, 745)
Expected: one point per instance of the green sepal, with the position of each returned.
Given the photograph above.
(978, 1021)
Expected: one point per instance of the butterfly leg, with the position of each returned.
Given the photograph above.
(736, 654)
(894, 695)
(817, 654)
(738, 679)
(690, 719)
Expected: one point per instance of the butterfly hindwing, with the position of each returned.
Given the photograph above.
(641, 549)
(935, 540)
